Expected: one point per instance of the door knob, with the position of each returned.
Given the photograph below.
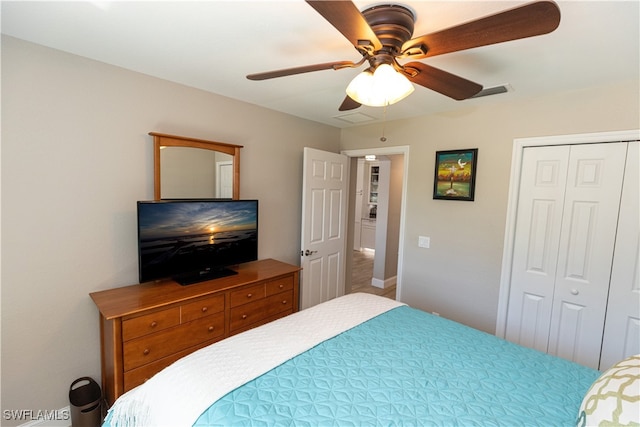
(307, 252)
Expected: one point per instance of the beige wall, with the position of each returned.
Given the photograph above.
(76, 156)
(395, 210)
(459, 275)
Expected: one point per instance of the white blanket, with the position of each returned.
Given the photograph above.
(179, 394)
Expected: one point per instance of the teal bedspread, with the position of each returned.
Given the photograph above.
(407, 367)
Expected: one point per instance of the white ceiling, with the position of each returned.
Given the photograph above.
(213, 45)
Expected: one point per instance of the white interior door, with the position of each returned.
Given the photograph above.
(537, 236)
(591, 207)
(622, 326)
(224, 180)
(563, 248)
(324, 212)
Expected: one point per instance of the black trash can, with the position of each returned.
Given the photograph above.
(85, 397)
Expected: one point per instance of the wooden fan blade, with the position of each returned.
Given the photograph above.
(441, 81)
(348, 104)
(530, 20)
(305, 69)
(346, 18)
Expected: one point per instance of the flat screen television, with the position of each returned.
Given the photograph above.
(195, 240)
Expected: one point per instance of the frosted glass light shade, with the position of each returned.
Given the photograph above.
(383, 87)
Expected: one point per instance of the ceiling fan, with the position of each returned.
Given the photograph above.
(382, 34)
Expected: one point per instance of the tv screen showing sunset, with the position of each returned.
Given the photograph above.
(184, 236)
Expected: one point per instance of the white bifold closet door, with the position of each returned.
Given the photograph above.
(567, 217)
(622, 325)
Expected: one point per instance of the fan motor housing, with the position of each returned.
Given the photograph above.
(392, 23)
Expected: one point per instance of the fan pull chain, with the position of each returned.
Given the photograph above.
(384, 122)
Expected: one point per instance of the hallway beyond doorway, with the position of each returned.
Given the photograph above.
(362, 272)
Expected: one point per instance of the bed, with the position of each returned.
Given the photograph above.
(360, 360)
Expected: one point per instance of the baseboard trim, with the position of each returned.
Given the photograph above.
(384, 284)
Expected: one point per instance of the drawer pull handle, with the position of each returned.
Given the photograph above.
(249, 295)
(204, 309)
(154, 324)
(244, 316)
(284, 301)
(210, 328)
(146, 351)
(281, 286)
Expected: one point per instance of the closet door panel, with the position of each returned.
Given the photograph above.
(585, 256)
(530, 333)
(571, 322)
(537, 236)
(622, 324)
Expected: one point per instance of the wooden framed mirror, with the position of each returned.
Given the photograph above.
(194, 168)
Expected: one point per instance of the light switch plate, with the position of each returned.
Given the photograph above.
(424, 242)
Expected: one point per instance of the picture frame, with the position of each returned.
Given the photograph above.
(455, 174)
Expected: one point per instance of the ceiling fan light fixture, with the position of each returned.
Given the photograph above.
(385, 86)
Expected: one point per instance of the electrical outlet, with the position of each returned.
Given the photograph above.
(424, 242)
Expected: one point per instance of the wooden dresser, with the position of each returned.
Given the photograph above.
(146, 327)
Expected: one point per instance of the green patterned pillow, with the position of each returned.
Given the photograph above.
(614, 398)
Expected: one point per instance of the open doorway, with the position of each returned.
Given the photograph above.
(376, 221)
(362, 274)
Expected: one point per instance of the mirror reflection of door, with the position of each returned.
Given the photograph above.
(193, 173)
(224, 179)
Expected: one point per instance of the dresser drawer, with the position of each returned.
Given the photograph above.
(278, 303)
(279, 285)
(137, 376)
(149, 323)
(246, 315)
(201, 308)
(150, 348)
(245, 295)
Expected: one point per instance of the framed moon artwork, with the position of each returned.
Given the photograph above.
(455, 174)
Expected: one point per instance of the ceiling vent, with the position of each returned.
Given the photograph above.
(355, 118)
